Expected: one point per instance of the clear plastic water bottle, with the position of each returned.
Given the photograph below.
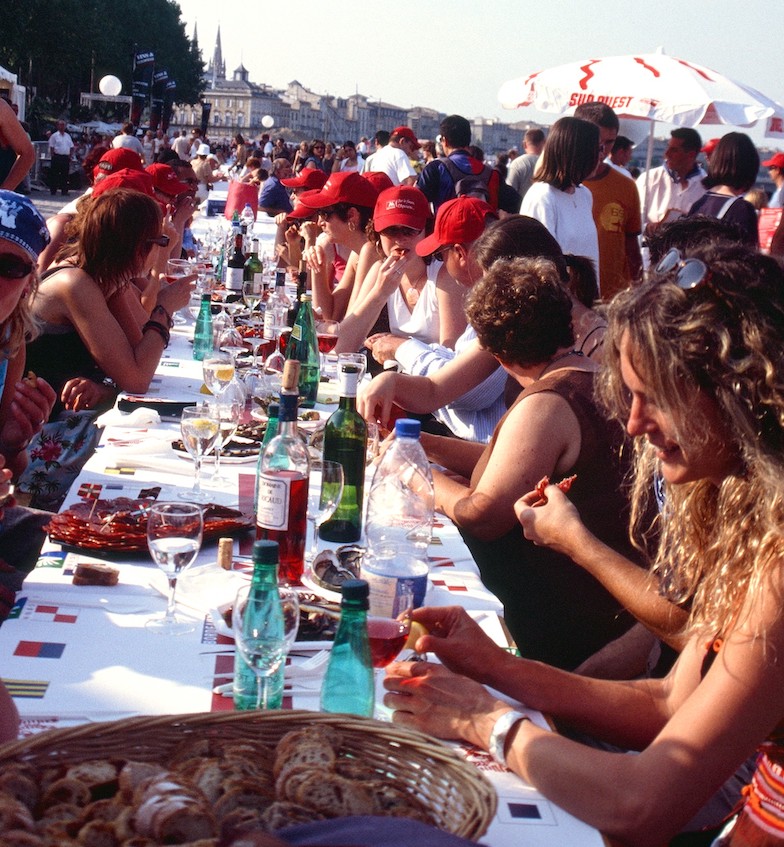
(399, 522)
(247, 218)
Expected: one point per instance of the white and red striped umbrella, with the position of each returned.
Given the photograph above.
(651, 86)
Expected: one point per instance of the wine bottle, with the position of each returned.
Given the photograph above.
(202, 334)
(235, 268)
(303, 348)
(253, 270)
(348, 685)
(263, 587)
(282, 484)
(345, 442)
(277, 307)
(302, 288)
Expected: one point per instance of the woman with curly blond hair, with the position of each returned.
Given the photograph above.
(696, 369)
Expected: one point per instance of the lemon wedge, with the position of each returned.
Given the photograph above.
(205, 428)
(417, 631)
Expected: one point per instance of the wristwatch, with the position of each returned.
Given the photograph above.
(500, 731)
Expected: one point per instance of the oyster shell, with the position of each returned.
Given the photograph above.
(331, 568)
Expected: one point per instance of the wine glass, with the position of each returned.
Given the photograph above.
(232, 342)
(174, 533)
(264, 631)
(327, 336)
(387, 636)
(218, 370)
(199, 428)
(358, 359)
(325, 488)
(227, 407)
(253, 294)
(277, 360)
(176, 268)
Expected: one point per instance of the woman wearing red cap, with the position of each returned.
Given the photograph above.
(422, 300)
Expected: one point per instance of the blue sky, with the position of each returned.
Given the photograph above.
(453, 57)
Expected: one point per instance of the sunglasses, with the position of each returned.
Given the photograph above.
(160, 240)
(327, 213)
(690, 272)
(440, 254)
(400, 231)
(14, 267)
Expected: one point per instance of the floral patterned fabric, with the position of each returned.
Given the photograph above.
(57, 455)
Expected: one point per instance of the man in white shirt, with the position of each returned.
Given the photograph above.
(60, 147)
(127, 138)
(181, 146)
(395, 158)
(669, 191)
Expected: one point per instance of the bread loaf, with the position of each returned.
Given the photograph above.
(95, 573)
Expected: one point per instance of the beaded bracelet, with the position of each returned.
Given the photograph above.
(169, 321)
(160, 329)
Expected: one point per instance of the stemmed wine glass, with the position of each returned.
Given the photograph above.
(327, 336)
(227, 407)
(174, 533)
(199, 428)
(357, 359)
(264, 632)
(277, 360)
(388, 636)
(232, 342)
(325, 488)
(218, 370)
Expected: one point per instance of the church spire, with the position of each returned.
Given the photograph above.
(218, 65)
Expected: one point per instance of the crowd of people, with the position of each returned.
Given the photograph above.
(512, 309)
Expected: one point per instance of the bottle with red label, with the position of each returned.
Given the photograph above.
(282, 484)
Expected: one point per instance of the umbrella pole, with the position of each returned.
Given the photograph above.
(648, 162)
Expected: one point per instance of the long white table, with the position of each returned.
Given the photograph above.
(72, 654)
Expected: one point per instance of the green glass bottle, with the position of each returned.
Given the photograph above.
(253, 272)
(303, 347)
(345, 442)
(264, 587)
(202, 333)
(348, 685)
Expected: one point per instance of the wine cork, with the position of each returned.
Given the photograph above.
(290, 381)
(226, 553)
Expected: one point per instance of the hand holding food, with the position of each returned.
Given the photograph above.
(550, 519)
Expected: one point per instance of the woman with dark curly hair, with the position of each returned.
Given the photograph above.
(694, 368)
(522, 314)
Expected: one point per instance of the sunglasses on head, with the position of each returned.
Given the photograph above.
(440, 254)
(690, 272)
(160, 240)
(14, 267)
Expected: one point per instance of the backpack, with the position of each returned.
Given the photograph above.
(472, 185)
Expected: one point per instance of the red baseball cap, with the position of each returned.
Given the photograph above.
(302, 211)
(775, 161)
(125, 178)
(407, 132)
(379, 179)
(118, 159)
(459, 221)
(710, 146)
(401, 205)
(346, 187)
(309, 178)
(165, 179)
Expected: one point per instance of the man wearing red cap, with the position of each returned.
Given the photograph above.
(473, 416)
(395, 158)
(775, 166)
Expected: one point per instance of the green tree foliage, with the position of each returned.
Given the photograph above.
(55, 46)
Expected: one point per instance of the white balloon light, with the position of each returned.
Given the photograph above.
(110, 86)
(267, 121)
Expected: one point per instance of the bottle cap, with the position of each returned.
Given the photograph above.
(407, 428)
(207, 296)
(265, 552)
(273, 410)
(356, 590)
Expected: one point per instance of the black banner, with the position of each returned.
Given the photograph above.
(206, 108)
(143, 67)
(159, 80)
(168, 103)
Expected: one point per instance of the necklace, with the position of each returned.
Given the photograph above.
(558, 359)
(412, 293)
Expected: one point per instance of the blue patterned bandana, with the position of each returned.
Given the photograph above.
(22, 223)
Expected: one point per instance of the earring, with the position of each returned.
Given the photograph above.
(352, 227)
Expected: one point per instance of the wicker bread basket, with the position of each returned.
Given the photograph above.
(460, 799)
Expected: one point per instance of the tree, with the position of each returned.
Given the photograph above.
(55, 48)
